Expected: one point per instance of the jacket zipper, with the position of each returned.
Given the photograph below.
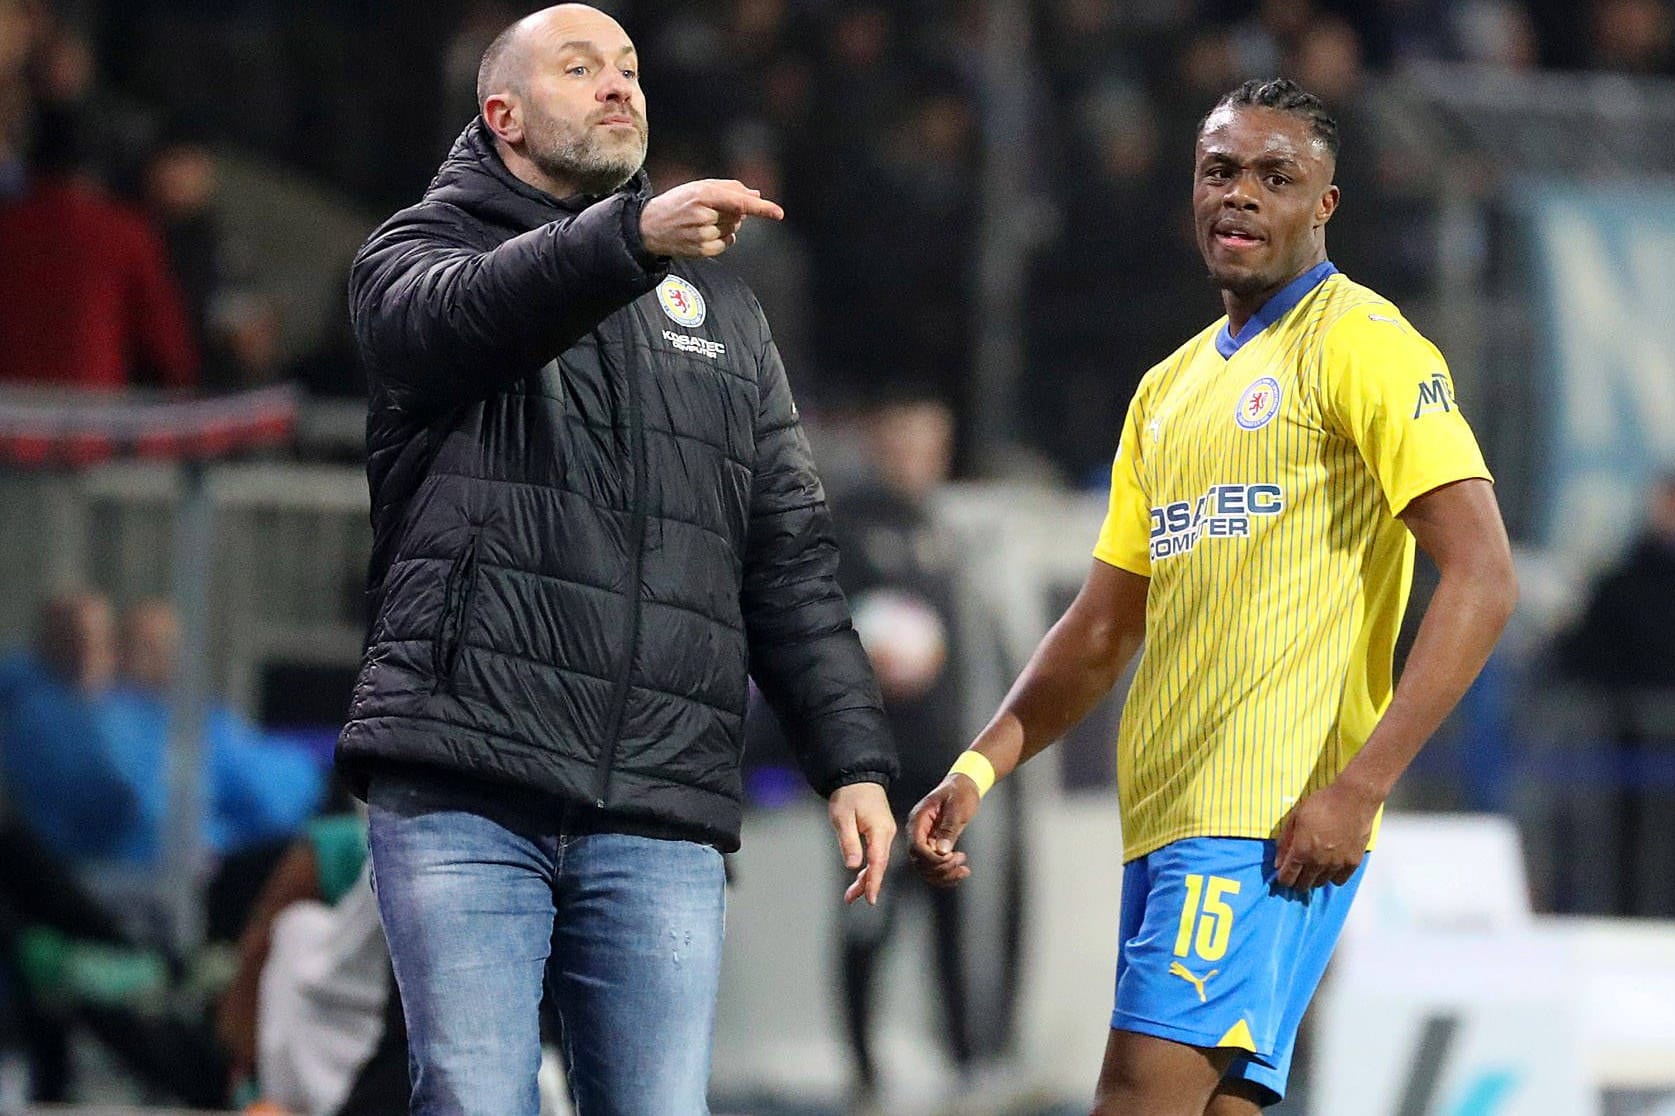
(457, 595)
(639, 499)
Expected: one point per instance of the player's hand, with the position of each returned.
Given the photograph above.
(934, 829)
(860, 813)
(1324, 836)
(701, 218)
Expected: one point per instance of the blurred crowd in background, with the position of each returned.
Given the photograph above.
(182, 183)
(866, 119)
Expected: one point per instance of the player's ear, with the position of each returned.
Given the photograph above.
(1327, 206)
(504, 116)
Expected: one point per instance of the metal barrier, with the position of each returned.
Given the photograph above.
(289, 551)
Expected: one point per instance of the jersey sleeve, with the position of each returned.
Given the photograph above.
(1388, 390)
(1125, 538)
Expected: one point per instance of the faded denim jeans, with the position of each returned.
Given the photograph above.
(486, 901)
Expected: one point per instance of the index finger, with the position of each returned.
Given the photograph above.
(745, 202)
(878, 859)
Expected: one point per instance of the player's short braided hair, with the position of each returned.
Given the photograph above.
(1283, 95)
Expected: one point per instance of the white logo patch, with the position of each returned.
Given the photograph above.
(682, 302)
(702, 346)
(1259, 404)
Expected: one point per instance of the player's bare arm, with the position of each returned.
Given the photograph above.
(1075, 666)
(1459, 526)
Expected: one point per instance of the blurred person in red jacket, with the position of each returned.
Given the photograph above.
(86, 296)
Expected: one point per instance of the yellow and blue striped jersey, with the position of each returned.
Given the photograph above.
(1257, 484)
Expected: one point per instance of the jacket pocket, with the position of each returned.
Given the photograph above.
(458, 594)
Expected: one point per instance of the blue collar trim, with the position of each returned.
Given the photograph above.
(1274, 309)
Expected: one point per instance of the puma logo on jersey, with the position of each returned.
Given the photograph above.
(1180, 970)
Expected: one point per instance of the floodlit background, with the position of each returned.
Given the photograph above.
(987, 244)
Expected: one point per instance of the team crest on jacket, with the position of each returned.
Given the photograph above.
(1259, 404)
(682, 302)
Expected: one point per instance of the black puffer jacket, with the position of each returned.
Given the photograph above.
(594, 511)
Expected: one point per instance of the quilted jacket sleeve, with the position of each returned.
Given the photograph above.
(441, 322)
(804, 653)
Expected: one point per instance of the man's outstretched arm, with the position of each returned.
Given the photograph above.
(1074, 667)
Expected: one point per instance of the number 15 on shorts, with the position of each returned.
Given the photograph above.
(1206, 918)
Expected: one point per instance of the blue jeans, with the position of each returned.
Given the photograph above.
(485, 898)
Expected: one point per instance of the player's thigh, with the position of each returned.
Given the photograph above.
(467, 907)
(1234, 1097)
(636, 960)
(1144, 1075)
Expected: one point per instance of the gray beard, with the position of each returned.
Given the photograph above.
(588, 170)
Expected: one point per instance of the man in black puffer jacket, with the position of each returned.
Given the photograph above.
(594, 512)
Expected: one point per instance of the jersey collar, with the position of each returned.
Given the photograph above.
(1274, 309)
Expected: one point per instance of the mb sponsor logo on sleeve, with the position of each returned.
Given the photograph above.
(1225, 511)
(1435, 394)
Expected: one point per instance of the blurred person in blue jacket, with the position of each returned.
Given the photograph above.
(61, 775)
(258, 789)
(84, 736)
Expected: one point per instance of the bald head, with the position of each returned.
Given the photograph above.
(505, 64)
(560, 90)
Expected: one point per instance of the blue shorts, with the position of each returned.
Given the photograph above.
(1213, 953)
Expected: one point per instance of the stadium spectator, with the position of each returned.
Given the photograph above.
(14, 113)
(1633, 36)
(311, 1021)
(1623, 646)
(179, 183)
(899, 571)
(67, 804)
(19, 30)
(1496, 32)
(1626, 634)
(257, 790)
(113, 131)
(62, 775)
(86, 296)
(18, 34)
(68, 962)
(565, 791)
(83, 749)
